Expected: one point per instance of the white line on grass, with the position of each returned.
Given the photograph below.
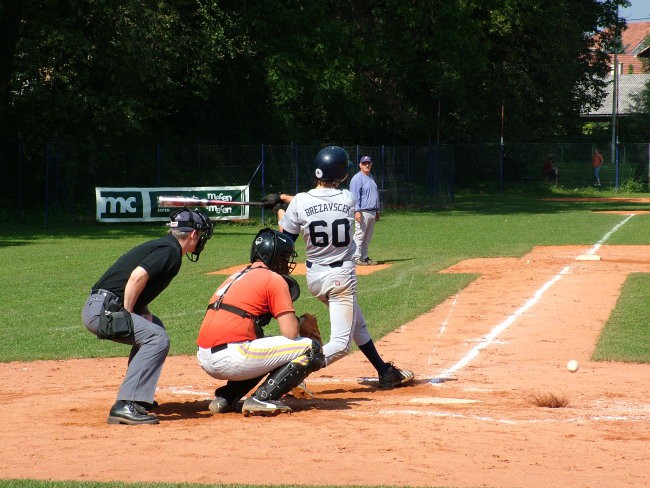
(494, 333)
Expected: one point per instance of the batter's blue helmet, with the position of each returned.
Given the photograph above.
(332, 164)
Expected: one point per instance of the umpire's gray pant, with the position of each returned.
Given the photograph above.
(150, 345)
(363, 233)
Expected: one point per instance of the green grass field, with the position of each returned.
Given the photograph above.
(47, 275)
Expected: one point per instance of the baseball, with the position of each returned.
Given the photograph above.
(572, 365)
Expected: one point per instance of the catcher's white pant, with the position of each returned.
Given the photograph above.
(250, 359)
(363, 233)
(337, 288)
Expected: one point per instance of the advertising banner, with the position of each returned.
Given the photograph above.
(141, 204)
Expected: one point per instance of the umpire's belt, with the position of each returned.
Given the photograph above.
(112, 297)
(326, 267)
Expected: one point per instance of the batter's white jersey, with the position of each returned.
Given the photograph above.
(326, 218)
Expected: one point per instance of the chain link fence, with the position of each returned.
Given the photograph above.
(520, 165)
(61, 178)
(406, 176)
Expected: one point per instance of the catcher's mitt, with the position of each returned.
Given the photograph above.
(309, 327)
(271, 200)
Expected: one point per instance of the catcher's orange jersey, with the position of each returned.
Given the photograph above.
(257, 291)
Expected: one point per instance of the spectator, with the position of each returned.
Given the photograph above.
(550, 171)
(596, 163)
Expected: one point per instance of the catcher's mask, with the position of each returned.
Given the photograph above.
(332, 164)
(274, 249)
(186, 220)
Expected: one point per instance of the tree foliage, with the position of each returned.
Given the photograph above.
(353, 71)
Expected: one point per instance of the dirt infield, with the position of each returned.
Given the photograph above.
(467, 421)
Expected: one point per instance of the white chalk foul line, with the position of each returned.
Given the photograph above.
(485, 418)
(494, 333)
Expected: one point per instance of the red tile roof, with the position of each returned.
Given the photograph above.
(634, 36)
(632, 42)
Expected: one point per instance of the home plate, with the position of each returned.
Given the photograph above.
(441, 400)
(588, 257)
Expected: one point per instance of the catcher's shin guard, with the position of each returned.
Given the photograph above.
(287, 377)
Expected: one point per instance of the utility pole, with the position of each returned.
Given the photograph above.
(614, 159)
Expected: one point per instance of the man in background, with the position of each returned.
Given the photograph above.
(366, 210)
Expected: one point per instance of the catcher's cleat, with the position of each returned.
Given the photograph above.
(130, 413)
(394, 377)
(360, 262)
(301, 391)
(267, 408)
(370, 262)
(220, 405)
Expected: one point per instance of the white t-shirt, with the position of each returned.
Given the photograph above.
(325, 216)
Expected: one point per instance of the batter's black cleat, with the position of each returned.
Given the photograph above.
(394, 377)
(130, 413)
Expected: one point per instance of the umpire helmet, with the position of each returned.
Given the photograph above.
(274, 249)
(332, 164)
(186, 220)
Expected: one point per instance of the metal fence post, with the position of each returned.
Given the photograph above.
(158, 163)
(501, 155)
(263, 178)
(21, 190)
(47, 182)
(648, 173)
(616, 183)
(383, 189)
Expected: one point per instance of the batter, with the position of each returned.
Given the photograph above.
(325, 217)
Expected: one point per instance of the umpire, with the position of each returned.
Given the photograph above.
(118, 310)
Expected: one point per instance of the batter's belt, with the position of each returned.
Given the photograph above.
(328, 267)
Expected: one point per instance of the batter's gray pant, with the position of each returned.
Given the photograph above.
(150, 345)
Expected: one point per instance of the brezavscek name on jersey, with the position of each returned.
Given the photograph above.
(327, 207)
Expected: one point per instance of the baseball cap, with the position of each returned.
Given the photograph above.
(187, 220)
(365, 159)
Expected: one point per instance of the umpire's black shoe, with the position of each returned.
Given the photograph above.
(148, 406)
(130, 413)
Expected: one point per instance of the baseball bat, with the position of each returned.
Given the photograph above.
(198, 202)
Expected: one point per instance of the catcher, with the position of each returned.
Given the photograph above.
(231, 341)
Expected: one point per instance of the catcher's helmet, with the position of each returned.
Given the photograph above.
(186, 220)
(274, 249)
(332, 164)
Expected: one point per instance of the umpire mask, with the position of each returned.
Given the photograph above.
(187, 220)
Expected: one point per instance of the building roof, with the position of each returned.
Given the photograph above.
(633, 42)
(629, 87)
(632, 78)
